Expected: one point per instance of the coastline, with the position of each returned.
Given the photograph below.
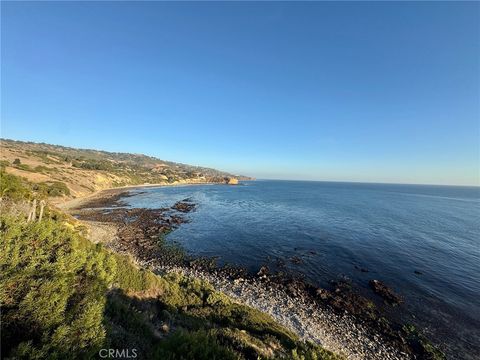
(338, 331)
(113, 191)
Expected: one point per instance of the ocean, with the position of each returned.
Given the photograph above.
(423, 241)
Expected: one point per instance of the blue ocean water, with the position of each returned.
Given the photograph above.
(337, 228)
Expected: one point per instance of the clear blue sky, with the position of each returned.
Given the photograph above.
(385, 92)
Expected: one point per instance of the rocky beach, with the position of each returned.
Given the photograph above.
(338, 317)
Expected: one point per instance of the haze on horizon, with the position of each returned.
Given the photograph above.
(369, 92)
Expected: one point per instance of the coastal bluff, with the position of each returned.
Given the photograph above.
(81, 172)
(232, 181)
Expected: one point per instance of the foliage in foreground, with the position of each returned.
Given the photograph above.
(64, 297)
(52, 290)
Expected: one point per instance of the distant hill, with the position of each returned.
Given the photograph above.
(84, 170)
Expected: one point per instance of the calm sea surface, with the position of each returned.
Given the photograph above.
(336, 228)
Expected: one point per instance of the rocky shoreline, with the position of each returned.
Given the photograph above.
(339, 318)
(339, 333)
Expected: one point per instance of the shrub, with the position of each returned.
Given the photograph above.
(91, 164)
(199, 345)
(24, 167)
(53, 188)
(13, 187)
(53, 290)
(129, 277)
(44, 169)
(58, 188)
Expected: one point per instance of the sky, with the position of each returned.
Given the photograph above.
(371, 92)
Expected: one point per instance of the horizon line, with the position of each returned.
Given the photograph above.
(366, 182)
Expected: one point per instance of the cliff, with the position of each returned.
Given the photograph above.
(232, 181)
(83, 171)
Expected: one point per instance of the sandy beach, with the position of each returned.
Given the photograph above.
(106, 194)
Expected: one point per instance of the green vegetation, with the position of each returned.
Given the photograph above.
(64, 297)
(48, 157)
(38, 169)
(52, 189)
(44, 169)
(13, 187)
(90, 164)
(23, 167)
(53, 291)
(193, 345)
(16, 188)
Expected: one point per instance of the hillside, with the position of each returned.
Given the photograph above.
(65, 297)
(79, 172)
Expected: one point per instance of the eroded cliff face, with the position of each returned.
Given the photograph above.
(232, 181)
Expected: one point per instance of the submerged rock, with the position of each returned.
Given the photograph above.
(385, 292)
(296, 260)
(263, 272)
(361, 269)
(183, 206)
(345, 298)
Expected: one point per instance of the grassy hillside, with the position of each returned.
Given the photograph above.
(64, 297)
(77, 172)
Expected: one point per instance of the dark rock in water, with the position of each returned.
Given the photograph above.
(280, 262)
(312, 252)
(233, 272)
(203, 263)
(263, 272)
(418, 272)
(385, 292)
(295, 287)
(176, 220)
(361, 269)
(183, 206)
(345, 298)
(296, 260)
